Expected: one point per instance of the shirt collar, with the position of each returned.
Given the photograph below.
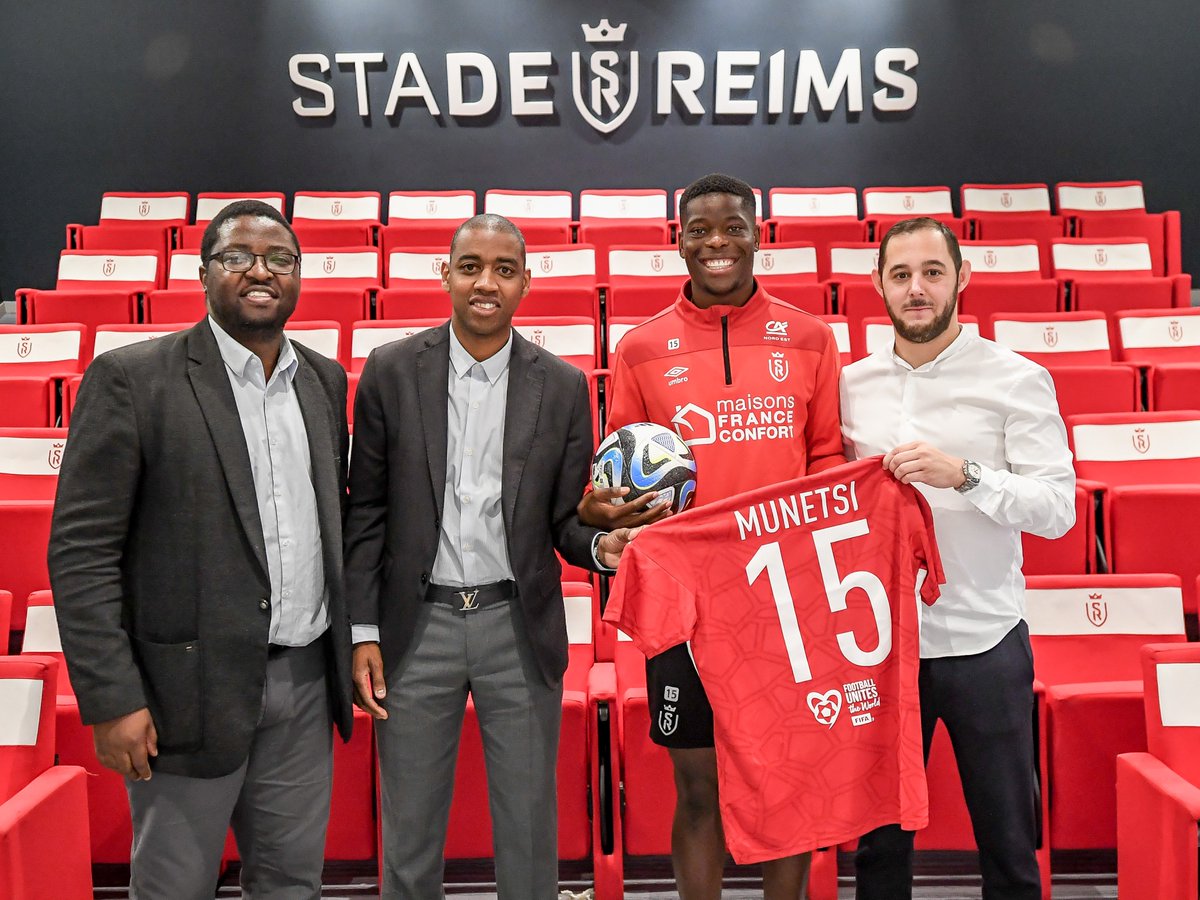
(690, 312)
(493, 367)
(960, 343)
(238, 357)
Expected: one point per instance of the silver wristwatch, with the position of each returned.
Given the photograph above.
(971, 473)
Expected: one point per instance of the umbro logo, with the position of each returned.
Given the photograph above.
(675, 371)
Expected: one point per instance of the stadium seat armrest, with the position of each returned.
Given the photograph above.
(602, 682)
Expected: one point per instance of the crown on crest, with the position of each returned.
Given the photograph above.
(603, 33)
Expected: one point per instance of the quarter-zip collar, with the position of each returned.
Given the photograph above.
(755, 307)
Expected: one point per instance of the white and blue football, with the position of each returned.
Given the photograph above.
(646, 457)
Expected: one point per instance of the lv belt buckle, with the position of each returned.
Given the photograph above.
(468, 600)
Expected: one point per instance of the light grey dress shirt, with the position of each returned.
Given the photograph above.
(472, 545)
(277, 441)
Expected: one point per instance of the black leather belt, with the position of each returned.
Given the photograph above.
(468, 599)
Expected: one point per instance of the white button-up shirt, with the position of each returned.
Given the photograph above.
(982, 402)
(277, 442)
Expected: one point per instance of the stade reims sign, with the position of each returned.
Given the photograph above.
(606, 82)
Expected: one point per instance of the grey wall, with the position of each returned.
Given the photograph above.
(147, 95)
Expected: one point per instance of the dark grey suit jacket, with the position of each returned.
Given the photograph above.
(398, 479)
(157, 558)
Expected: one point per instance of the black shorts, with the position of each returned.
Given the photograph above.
(680, 714)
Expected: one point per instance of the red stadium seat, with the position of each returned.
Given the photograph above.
(841, 334)
(1158, 792)
(27, 401)
(325, 337)
(643, 280)
(110, 337)
(130, 270)
(1096, 389)
(359, 267)
(1072, 554)
(209, 203)
(544, 217)
(25, 525)
(335, 218)
(366, 335)
(1086, 633)
(1006, 277)
(42, 638)
(29, 462)
(181, 305)
(43, 807)
(883, 207)
(618, 327)
(1112, 274)
(821, 216)
(562, 281)
(27, 350)
(853, 294)
(789, 272)
(131, 221)
(610, 217)
(183, 269)
(1001, 212)
(414, 284)
(1118, 209)
(1148, 337)
(1151, 528)
(572, 338)
(1055, 339)
(1175, 386)
(424, 218)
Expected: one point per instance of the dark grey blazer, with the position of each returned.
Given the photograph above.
(156, 549)
(398, 479)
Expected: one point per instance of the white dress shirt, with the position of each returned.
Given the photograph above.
(982, 402)
(277, 442)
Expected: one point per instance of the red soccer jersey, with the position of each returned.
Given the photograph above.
(799, 601)
(752, 390)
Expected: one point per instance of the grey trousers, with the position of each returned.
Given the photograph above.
(277, 801)
(487, 654)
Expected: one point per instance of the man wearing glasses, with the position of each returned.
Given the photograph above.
(195, 557)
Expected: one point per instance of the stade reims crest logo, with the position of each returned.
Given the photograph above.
(539, 337)
(431, 206)
(777, 365)
(1101, 257)
(656, 262)
(1097, 612)
(767, 260)
(909, 202)
(144, 208)
(336, 207)
(814, 203)
(1050, 336)
(330, 265)
(54, 458)
(547, 264)
(1101, 198)
(1175, 330)
(110, 266)
(603, 108)
(989, 258)
(1006, 199)
(437, 265)
(24, 346)
(825, 707)
(1141, 440)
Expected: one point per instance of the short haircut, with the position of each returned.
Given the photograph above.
(489, 222)
(717, 183)
(237, 210)
(922, 223)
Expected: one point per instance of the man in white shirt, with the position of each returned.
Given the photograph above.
(977, 429)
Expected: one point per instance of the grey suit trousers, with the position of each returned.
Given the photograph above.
(485, 653)
(277, 801)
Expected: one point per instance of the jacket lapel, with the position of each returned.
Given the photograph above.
(210, 382)
(433, 389)
(526, 379)
(323, 457)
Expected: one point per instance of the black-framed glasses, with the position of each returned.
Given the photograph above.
(280, 262)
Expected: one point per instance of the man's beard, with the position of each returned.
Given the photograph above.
(923, 334)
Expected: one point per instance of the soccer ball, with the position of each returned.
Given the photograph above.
(646, 457)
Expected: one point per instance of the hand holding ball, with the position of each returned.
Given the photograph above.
(646, 457)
